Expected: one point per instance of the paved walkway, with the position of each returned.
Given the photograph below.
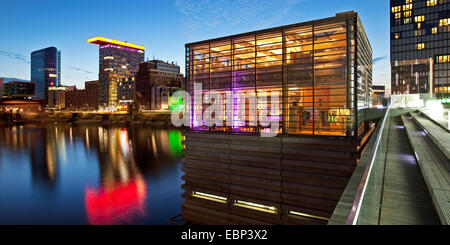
(405, 198)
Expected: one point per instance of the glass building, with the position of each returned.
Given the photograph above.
(18, 90)
(118, 60)
(321, 71)
(45, 70)
(420, 47)
(125, 90)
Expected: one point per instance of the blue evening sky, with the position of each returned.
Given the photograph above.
(162, 26)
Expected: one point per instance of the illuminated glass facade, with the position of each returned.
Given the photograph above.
(45, 70)
(420, 47)
(118, 60)
(321, 71)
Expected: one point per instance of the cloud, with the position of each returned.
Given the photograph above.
(14, 56)
(203, 15)
(378, 59)
(80, 70)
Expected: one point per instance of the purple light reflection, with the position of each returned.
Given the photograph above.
(120, 47)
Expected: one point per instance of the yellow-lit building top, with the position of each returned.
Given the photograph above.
(103, 40)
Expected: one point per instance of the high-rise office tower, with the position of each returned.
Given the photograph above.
(45, 70)
(117, 60)
(420, 47)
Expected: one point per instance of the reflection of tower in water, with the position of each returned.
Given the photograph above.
(122, 193)
(43, 147)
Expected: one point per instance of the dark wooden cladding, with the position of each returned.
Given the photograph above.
(300, 174)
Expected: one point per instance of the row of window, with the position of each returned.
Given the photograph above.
(409, 6)
(420, 32)
(442, 58)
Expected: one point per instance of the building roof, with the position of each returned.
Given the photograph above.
(104, 40)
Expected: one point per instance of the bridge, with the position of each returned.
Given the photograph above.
(403, 177)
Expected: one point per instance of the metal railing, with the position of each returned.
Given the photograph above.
(377, 154)
(360, 203)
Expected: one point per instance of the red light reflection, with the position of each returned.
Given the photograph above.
(118, 205)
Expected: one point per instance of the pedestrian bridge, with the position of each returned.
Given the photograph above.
(403, 177)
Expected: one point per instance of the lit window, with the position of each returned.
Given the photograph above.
(443, 59)
(444, 22)
(407, 7)
(397, 35)
(420, 18)
(431, 3)
(398, 15)
(407, 14)
(420, 46)
(408, 1)
(396, 9)
(407, 20)
(434, 30)
(419, 25)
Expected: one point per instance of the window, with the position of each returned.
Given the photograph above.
(442, 59)
(407, 14)
(420, 18)
(419, 33)
(420, 46)
(396, 9)
(407, 20)
(407, 7)
(408, 1)
(397, 35)
(398, 15)
(419, 25)
(444, 22)
(434, 30)
(431, 3)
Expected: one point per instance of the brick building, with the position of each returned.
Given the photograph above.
(156, 80)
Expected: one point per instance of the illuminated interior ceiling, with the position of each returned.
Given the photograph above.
(104, 41)
(269, 48)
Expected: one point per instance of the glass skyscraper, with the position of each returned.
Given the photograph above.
(118, 60)
(420, 47)
(45, 70)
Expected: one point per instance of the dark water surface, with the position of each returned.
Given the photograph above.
(64, 174)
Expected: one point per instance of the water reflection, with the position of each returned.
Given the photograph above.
(63, 174)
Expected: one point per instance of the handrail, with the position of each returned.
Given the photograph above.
(359, 196)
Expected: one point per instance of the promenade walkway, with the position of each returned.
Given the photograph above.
(405, 198)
